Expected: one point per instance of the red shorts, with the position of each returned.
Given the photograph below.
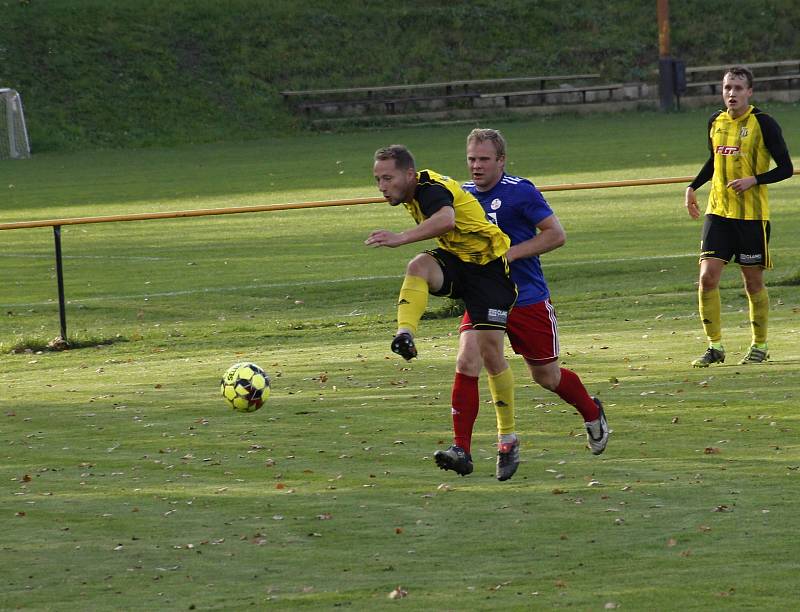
(532, 330)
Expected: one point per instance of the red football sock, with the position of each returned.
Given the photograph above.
(572, 391)
(465, 409)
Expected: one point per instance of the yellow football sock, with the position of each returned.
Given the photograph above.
(412, 303)
(501, 386)
(759, 315)
(711, 314)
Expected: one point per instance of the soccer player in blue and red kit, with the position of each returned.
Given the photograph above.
(519, 209)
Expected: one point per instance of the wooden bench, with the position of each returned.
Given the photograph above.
(715, 86)
(541, 93)
(782, 70)
(389, 98)
(387, 105)
(789, 65)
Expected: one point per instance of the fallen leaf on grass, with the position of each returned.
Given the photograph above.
(711, 450)
(672, 542)
(497, 587)
(398, 593)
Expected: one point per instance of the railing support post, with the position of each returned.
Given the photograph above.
(62, 311)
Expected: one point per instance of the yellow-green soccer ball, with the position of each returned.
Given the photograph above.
(245, 387)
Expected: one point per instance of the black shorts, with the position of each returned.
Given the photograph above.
(744, 242)
(487, 290)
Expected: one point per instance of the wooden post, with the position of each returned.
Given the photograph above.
(665, 80)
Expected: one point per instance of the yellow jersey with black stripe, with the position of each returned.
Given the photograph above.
(740, 148)
(474, 238)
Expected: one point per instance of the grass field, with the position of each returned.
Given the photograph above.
(128, 485)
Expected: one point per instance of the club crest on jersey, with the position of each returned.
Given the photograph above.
(727, 150)
(743, 132)
(496, 203)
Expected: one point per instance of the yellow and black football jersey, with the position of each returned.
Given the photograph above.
(474, 239)
(740, 148)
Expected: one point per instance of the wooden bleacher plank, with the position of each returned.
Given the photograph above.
(443, 84)
(752, 66)
(560, 90)
(715, 85)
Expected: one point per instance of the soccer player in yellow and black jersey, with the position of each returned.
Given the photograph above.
(742, 140)
(469, 263)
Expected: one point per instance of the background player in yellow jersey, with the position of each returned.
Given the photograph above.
(741, 140)
(469, 263)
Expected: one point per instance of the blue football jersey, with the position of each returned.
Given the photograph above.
(517, 207)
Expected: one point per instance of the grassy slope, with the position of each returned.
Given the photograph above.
(99, 74)
(129, 485)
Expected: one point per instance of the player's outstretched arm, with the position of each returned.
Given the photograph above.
(440, 222)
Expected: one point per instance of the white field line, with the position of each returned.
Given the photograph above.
(120, 257)
(205, 290)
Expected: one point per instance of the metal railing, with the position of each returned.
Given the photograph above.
(56, 224)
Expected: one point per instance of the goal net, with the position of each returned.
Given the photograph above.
(14, 142)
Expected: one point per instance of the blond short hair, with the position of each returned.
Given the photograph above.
(489, 135)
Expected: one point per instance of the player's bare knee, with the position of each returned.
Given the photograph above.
(493, 358)
(546, 375)
(753, 283)
(469, 364)
(419, 266)
(708, 282)
(545, 378)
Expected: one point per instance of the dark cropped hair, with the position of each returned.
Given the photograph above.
(742, 73)
(402, 157)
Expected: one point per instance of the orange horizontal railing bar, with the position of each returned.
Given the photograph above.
(324, 203)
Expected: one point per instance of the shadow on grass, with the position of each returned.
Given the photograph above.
(788, 281)
(60, 344)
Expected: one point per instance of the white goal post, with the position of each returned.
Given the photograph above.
(14, 142)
